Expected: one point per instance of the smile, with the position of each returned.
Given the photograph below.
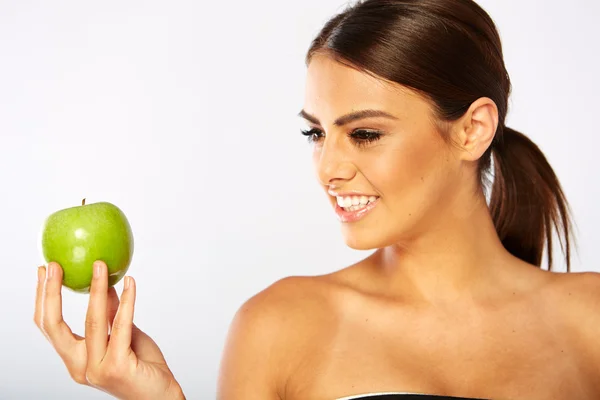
(354, 203)
(354, 208)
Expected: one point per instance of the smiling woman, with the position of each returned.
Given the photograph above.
(405, 102)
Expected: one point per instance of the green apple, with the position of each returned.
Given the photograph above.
(76, 237)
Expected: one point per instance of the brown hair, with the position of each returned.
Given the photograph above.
(450, 51)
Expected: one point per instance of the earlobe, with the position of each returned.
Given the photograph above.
(478, 128)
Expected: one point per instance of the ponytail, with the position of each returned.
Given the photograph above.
(527, 200)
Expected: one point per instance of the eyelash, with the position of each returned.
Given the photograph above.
(362, 137)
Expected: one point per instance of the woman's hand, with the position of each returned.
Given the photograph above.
(126, 363)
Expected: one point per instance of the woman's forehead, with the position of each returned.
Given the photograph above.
(333, 88)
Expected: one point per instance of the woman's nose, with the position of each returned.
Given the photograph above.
(333, 164)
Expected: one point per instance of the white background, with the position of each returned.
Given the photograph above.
(183, 113)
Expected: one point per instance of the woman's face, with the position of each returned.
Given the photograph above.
(375, 143)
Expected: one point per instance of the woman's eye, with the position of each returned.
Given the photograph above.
(364, 137)
(313, 135)
(361, 137)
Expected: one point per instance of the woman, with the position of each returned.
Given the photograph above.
(406, 102)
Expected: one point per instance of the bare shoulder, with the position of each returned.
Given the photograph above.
(301, 299)
(292, 305)
(576, 298)
(268, 334)
(577, 292)
(286, 300)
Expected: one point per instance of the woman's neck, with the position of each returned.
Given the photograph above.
(458, 257)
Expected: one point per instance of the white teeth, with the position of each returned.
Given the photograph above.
(353, 203)
(354, 208)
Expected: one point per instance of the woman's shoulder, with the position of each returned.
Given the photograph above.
(576, 292)
(293, 308)
(276, 325)
(575, 296)
(291, 298)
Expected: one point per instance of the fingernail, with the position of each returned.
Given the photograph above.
(40, 276)
(97, 269)
(127, 282)
(50, 271)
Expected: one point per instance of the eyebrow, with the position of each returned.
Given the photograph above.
(346, 119)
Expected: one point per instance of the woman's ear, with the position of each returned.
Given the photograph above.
(474, 131)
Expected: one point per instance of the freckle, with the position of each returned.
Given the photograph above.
(422, 179)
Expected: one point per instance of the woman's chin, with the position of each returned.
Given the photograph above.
(358, 242)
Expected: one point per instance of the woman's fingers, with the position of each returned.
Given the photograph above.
(37, 315)
(96, 322)
(113, 306)
(51, 319)
(120, 337)
(145, 347)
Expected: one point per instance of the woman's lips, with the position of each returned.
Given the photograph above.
(353, 216)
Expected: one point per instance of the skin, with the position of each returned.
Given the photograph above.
(114, 355)
(440, 307)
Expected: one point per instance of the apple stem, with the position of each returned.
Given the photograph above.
(83, 202)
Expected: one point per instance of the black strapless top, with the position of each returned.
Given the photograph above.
(404, 396)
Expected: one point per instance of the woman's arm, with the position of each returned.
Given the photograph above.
(252, 355)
